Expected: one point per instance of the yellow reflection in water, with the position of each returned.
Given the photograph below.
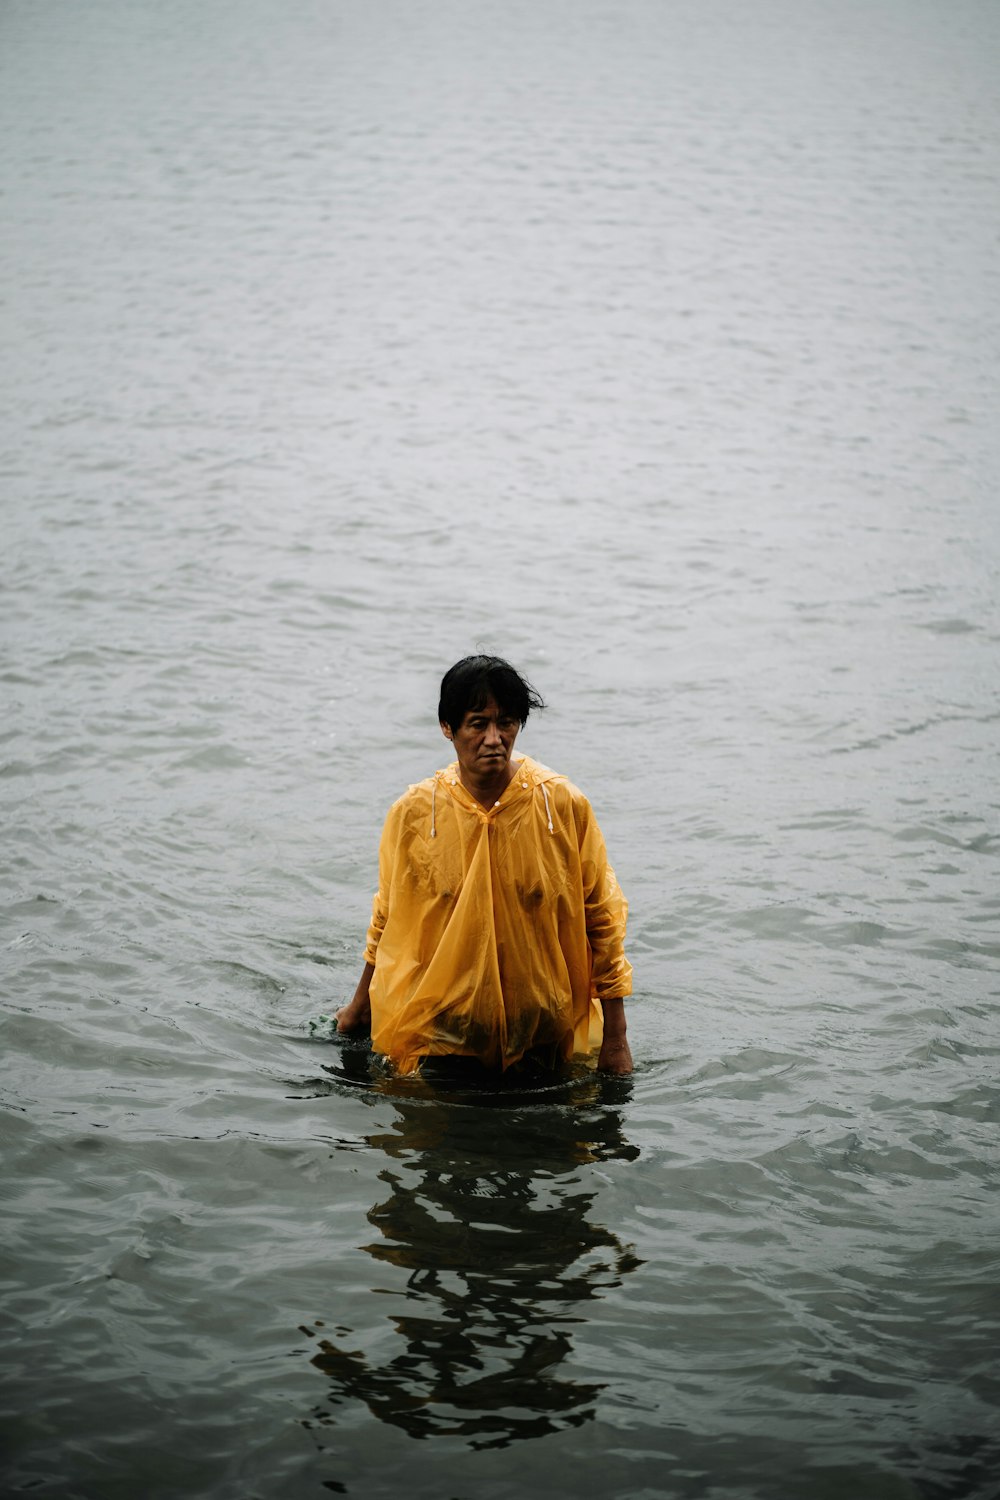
(489, 1218)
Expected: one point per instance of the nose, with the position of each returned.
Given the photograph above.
(493, 735)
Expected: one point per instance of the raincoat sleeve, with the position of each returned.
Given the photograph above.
(605, 911)
(380, 901)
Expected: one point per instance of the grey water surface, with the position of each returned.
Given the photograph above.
(655, 345)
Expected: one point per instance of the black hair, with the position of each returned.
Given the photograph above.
(467, 685)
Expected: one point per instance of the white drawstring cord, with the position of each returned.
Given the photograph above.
(548, 810)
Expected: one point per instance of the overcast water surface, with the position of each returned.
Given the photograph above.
(655, 345)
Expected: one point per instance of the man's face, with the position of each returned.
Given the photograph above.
(484, 739)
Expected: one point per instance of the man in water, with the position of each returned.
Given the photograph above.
(498, 928)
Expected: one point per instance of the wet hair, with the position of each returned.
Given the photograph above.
(467, 685)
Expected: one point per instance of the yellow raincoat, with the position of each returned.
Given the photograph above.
(494, 930)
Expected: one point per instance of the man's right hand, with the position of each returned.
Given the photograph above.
(353, 1017)
(356, 1015)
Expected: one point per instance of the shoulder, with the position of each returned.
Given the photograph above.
(562, 792)
(414, 802)
(416, 795)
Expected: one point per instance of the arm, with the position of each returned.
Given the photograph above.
(606, 911)
(615, 1055)
(356, 1015)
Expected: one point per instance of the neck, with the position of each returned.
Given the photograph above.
(487, 790)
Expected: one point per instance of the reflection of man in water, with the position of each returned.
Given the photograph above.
(498, 928)
(499, 1256)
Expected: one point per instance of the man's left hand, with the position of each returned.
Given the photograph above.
(615, 1055)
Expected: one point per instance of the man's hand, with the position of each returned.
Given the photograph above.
(353, 1017)
(356, 1015)
(615, 1055)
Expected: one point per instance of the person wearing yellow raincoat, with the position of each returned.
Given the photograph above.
(498, 927)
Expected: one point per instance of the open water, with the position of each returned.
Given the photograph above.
(655, 345)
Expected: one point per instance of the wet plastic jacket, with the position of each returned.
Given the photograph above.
(494, 930)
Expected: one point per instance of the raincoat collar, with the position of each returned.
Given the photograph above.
(528, 774)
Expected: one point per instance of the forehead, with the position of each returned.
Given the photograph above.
(489, 709)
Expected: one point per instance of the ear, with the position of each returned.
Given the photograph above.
(445, 729)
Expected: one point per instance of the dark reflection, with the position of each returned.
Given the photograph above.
(488, 1214)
